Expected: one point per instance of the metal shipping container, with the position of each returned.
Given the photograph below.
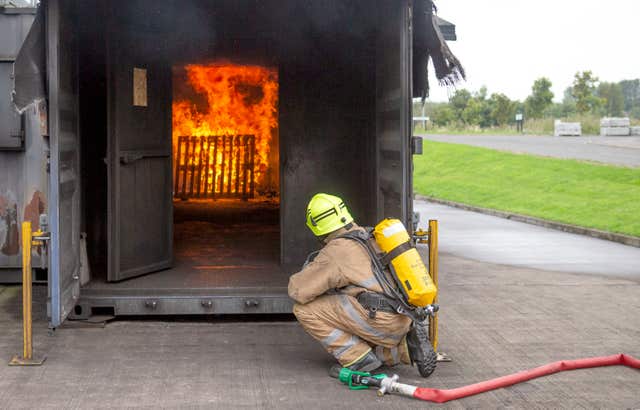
(146, 221)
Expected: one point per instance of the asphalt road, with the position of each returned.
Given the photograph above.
(622, 151)
(497, 240)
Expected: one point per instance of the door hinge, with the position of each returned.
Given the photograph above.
(416, 145)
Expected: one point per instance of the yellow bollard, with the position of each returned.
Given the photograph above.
(27, 358)
(433, 270)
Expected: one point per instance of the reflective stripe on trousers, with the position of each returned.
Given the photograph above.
(353, 340)
(331, 339)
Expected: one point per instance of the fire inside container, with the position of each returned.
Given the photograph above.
(225, 131)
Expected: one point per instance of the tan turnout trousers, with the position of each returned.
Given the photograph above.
(327, 309)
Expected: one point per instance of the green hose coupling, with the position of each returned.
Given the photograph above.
(360, 380)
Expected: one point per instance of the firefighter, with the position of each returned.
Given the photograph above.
(333, 295)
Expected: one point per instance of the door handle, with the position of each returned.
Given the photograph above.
(130, 158)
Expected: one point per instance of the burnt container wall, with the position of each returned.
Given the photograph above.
(23, 175)
(23, 192)
(327, 116)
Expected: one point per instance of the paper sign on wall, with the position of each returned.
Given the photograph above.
(139, 87)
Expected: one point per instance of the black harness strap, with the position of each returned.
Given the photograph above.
(375, 302)
(395, 252)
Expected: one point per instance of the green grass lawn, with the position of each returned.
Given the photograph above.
(574, 192)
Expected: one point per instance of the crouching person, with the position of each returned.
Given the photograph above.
(334, 293)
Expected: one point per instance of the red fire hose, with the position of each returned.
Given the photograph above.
(442, 396)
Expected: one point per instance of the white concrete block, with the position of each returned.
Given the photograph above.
(615, 131)
(635, 130)
(566, 129)
(615, 122)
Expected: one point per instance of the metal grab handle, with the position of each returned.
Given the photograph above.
(130, 158)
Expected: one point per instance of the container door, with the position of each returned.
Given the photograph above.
(64, 184)
(140, 214)
(393, 111)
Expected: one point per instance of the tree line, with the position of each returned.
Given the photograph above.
(586, 96)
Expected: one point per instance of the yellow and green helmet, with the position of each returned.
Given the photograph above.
(327, 213)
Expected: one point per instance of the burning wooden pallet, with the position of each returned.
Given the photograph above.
(219, 166)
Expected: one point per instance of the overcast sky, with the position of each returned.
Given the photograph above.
(507, 44)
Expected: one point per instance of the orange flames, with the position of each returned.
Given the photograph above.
(224, 99)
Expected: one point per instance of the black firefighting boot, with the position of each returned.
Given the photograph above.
(368, 363)
(420, 349)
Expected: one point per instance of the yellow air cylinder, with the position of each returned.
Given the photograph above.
(408, 268)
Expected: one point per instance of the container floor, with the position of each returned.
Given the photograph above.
(224, 244)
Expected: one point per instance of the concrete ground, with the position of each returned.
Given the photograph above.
(622, 151)
(496, 319)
